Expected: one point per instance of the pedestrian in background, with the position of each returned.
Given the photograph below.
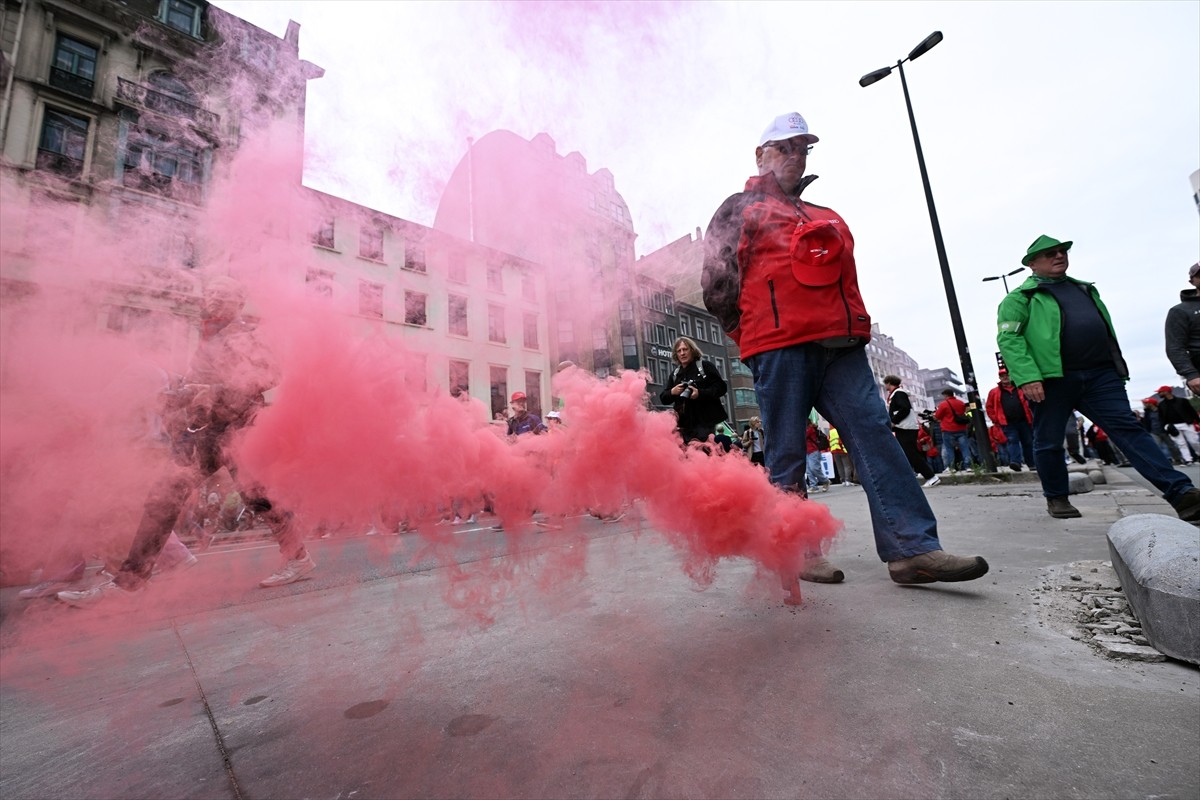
(779, 273)
(695, 390)
(1182, 332)
(905, 425)
(842, 463)
(951, 414)
(1007, 407)
(753, 441)
(1059, 344)
(1179, 421)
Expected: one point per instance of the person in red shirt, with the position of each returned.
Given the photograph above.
(1007, 407)
(951, 414)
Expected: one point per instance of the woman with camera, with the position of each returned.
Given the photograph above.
(695, 389)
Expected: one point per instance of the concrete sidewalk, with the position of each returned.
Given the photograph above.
(627, 683)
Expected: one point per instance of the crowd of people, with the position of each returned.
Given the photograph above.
(779, 273)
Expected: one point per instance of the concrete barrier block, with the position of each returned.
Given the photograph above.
(1073, 467)
(1158, 561)
(1079, 482)
(1097, 476)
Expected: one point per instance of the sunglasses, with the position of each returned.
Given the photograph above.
(1058, 251)
(790, 147)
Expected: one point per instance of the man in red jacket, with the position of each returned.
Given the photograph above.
(779, 274)
(1007, 407)
(954, 432)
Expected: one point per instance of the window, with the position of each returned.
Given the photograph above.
(628, 345)
(414, 257)
(671, 336)
(700, 331)
(669, 303)
(745, 397)
(498, 388)
(530, 327)
(720, 362)
(736, 367)
(124, 319)
(566, 331)
(456, 271)
(495, 278)
(715, 329)
(684, 326)
(460, 376)
(370, 299)
(414, 308)
(456, 314)
(155, 163)
(528, 288)
(182, 15)
(496, 324)
(320, 282)
(370, 242)
(63, 143)
(533, 391)
(74, 67)
(324, 235)
(600, 338)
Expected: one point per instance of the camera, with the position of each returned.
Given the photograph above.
(689, 390)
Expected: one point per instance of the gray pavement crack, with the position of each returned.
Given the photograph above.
(212, 720)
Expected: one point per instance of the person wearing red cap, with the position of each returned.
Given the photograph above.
(521, 420)
(1179, 420)
(779, 273)
(1058, 341)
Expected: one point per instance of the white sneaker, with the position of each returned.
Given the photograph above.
(934, 481)
(89, 597)
(295, 570)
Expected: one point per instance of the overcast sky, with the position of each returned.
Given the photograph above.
(1080, 120)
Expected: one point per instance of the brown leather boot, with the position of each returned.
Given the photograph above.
(818, 570)
(937, 565)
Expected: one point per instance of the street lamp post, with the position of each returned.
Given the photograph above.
(960, 336)
(1004, 277)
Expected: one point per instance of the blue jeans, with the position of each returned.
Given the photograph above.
(1020, 443)
(813, 469)
(790, 382)
(949, 440)
(1100, 395)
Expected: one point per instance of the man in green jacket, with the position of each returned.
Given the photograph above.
(1058, 342)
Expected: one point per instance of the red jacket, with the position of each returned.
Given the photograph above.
(945, 414)
(997, 437)
(995, 407)
(779, 271)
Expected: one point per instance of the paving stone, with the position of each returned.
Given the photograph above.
(1097, 476)
(1157, 559)
(1132, 652)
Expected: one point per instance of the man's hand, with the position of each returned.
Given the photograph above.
(1194, 385)
(1034, 391)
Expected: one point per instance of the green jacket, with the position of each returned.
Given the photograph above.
(1029, 322)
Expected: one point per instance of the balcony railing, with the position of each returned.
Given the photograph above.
(136, 94)
(164, 186)
(59, 164)
(70, 82)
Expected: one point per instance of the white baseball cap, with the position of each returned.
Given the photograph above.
(787, 126)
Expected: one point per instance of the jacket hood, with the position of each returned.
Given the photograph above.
(1189, 294)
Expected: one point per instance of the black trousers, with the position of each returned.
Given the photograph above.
(916, 459)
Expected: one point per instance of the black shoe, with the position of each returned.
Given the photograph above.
(1188, 506)
(1061, 508)
(1015, 467)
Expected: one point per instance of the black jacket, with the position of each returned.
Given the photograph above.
(1182, 332)
(704, 407)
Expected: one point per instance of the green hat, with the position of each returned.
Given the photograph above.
(1043, 242)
